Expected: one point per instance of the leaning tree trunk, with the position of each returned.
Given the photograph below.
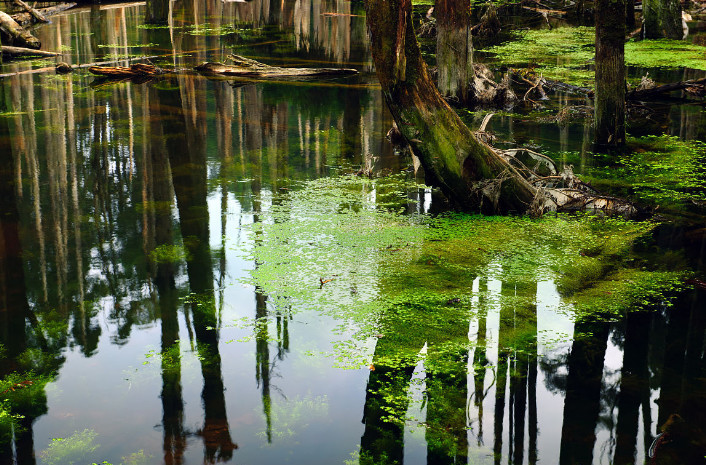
(610, 74)
(469, 172)
(454, 48)
(662, 19)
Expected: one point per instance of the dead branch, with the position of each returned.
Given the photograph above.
(25, 19)
(245, 67)
(18, 35)
(39, 17)
(656, 91)
(12, 52)
(120, 72)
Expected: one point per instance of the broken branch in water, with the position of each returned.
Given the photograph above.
(26, 18)
(245, 67)
(136, 70)
(10, 51)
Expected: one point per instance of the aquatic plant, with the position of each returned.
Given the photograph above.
(73, 450)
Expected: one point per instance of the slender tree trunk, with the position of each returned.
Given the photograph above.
(157, 11)
(610, 73)
(662, 19)
(454, 48)
(451, 155)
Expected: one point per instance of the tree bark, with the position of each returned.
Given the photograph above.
(610, 74)
(470, 173)
(245, 67)
(39, 17)
(23, 52)
(17, 33)
(662, 19)
(157, 11)
(26, 18)
(454, 48)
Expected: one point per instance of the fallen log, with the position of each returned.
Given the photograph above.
(120, 72)
(245, 67)
(656, 91)
(10, 51)
(17, 33)
(39, 17)
(26, 18)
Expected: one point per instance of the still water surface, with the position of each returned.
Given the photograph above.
(131, 213)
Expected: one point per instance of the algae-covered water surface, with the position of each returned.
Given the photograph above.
(191, 270)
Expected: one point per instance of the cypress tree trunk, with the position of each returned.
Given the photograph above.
(610, 74)
(157, 11)
(662, 19)
(454, 48)
(451, 155)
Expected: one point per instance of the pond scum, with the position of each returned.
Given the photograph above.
(410, 284)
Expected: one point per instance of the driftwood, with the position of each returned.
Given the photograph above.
(120, 72)
(245, 67)
(23, 52)
(18, 35)
(39, 17)
(26, 18)
(644, 94)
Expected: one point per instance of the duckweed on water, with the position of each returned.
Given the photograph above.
(660, 170)
(407, 279)
(565, 53)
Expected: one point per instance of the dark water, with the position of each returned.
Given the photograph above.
(100, 180)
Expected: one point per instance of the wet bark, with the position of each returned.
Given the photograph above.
(157, 11)
(26, 18)
(454, 49)
(10, 52)
(18, 35)
(245, 67)
(662, 19)
(610, 74)
(449, 152)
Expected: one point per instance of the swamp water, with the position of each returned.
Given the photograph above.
(191, 274)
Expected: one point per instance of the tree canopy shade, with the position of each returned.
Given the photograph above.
(469, 172)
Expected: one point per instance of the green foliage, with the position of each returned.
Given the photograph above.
(565, 53)
(74, 450)
(660, 170)
(168, 253)
(665, 53)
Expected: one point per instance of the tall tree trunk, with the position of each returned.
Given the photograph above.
(610, 73)
(452, 157)
(157, 11)
(454, 48)
(662, 19)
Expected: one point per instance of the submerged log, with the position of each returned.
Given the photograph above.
(120, 72)
(10, 51)
(645, 94)
(245, 67)
(18, 35)
(26, 18)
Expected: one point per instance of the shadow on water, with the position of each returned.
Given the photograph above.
(124, 211)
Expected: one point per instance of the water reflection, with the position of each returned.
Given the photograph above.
(122, 208)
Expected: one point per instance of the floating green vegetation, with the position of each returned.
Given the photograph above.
(565, 53)
(207, 29)
(125, 46)
(169, 253)
(665, 53)
(342, 246)
(74, 450)
(560, 53)
(24, 392)
(659, 171)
